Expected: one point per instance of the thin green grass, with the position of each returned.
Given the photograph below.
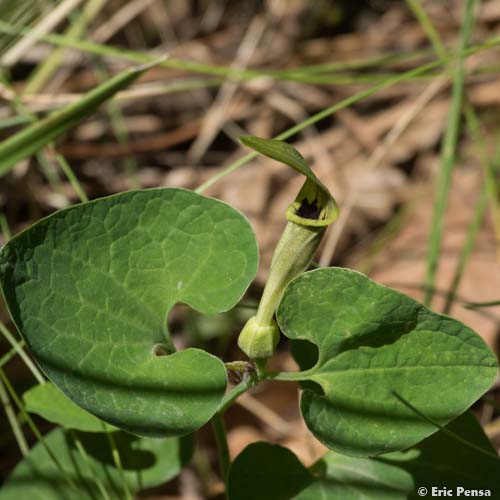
(320, 116)
(428, 27)
(120, 130)
(13, 395)
(470, 239)
(442, 428)
(18, 13)
(448, 155)
(118, 464)
(72, 178)
(18, 348)
(47, 167)
(37, 135)
(10, 354)
(479, 305)
(5, 228)
(90, 466)
(79, 23)
(191, 66)
(490, 183)
(473, 127)
(13, 421)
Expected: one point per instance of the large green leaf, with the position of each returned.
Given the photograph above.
(90, 289)
(377, 350)
(442, 461)
(146, 462)
(50, 403)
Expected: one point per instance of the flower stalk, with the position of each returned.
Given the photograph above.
(308, 217)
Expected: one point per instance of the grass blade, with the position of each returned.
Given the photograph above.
(34, 137)
(14, 423)
(470, 239)
(448, 154)
(42, 74)
(19, 349)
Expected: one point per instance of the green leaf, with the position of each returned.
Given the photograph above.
(441, 460)
(314, 205)
(32, 138)
(267, 472)
(377, 347)
(90, 289)
(147, 462)
(50, 403)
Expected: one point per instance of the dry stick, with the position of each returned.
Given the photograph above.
(378, 155)
(268, 416)
(46, 25)
(102, 34)
(48, 102)
(120, 19)
(39, 77)
(216, 114)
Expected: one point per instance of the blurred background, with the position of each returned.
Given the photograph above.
(404, 135)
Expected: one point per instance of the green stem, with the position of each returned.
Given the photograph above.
(222, 446)
(472, 231)
(474, 305)
(115, 453)
(13, 395)
(70, 175)
(90, 466)
(14, 423)
(5, 228)
(9, 355)
(218, 422)
(19, 349)
(43, 72)
(235, 393)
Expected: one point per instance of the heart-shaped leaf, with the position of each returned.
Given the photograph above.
(90, 289)
(377, 349)
(460, 456)
(50, 403)
(146, 462)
